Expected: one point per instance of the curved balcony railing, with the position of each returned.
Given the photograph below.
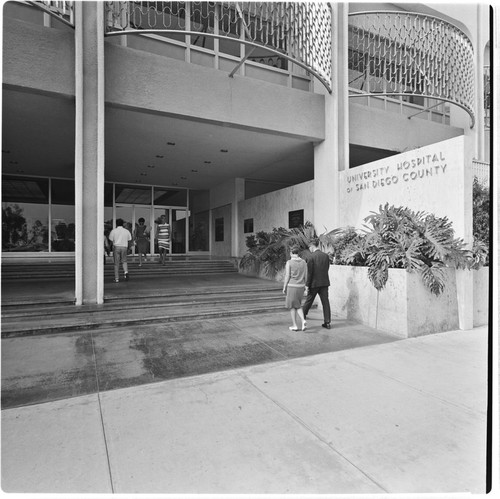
(296, 31)
(62, 10)
(410, 54)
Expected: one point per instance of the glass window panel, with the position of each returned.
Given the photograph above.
(25, 190)
(25, 214)
(199, 220)
(170, 197)
(63, 228)
(63, 215)
(133, 194)
(25, 227)
(108, 194)
(63, 192)
(179, 231)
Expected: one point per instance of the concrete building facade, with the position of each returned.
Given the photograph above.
(230, 118)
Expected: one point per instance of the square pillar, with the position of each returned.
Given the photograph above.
(239, 195)
(89, 152)
(332, 155)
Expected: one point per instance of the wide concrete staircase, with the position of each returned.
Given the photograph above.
(171, 297)
(174, 266)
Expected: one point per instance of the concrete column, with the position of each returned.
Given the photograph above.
(89, 152)
(465, 278)
(239, 195)
(332, 155)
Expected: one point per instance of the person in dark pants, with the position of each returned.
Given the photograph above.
(317, 283)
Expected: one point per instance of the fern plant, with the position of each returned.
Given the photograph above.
(268, 251)
(397, 237)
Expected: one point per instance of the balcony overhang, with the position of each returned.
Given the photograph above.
(297, 32)
(407, 53)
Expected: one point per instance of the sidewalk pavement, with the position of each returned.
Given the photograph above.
(403, 416)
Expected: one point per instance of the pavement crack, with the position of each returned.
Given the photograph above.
(101, 415)
(415, 389)
(311, 430)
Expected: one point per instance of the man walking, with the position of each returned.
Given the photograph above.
(317, 282)
(120, 238)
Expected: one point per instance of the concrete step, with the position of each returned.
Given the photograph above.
(63, 271)
(35, 319)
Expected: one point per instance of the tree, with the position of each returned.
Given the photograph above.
(13, 225)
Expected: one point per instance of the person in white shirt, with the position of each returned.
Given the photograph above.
(120, 237)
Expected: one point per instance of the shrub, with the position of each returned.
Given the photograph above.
(481, 219)
(394, 237)
(268, 251)
(397, 237)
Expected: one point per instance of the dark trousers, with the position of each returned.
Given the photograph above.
(323, 295)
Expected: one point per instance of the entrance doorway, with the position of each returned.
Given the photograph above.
(130, 215)
(177, 218)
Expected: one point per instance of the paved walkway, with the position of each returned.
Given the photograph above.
(395, 416)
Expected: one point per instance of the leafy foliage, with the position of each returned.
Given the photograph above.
(481, 220)
(397, 237)
(269, 250)
(393, 237)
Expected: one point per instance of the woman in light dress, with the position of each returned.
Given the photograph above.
(163, 236)
(294, 286)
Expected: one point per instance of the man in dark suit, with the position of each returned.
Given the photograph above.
(317, 283)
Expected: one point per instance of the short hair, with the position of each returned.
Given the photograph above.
(141, 220)
(119, 222)
(314, 242)
(295, 250)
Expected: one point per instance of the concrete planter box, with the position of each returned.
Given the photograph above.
(405, 308)
(256, 272)
(481, 296)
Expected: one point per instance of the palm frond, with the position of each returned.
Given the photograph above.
(378, 276)
(433, 277)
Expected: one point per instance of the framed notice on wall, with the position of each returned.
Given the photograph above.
(295, 219)
(219, 229)
(248, 225)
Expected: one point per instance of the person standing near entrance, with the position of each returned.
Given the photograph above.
(120, 237)
(163, 236)
(317, 282)
(141, 239)
(293, 287)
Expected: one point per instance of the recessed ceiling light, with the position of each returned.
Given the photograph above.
(224, 150)
(207, 162)
(171, 143)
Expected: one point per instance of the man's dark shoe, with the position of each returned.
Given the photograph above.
(326, 325)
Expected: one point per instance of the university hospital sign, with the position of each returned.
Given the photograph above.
(430, 179)
(405, 171)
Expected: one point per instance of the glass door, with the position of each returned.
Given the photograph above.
(130, 214)
(177, 219)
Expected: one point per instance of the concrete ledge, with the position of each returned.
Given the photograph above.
(481, 296)
(404, 308)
